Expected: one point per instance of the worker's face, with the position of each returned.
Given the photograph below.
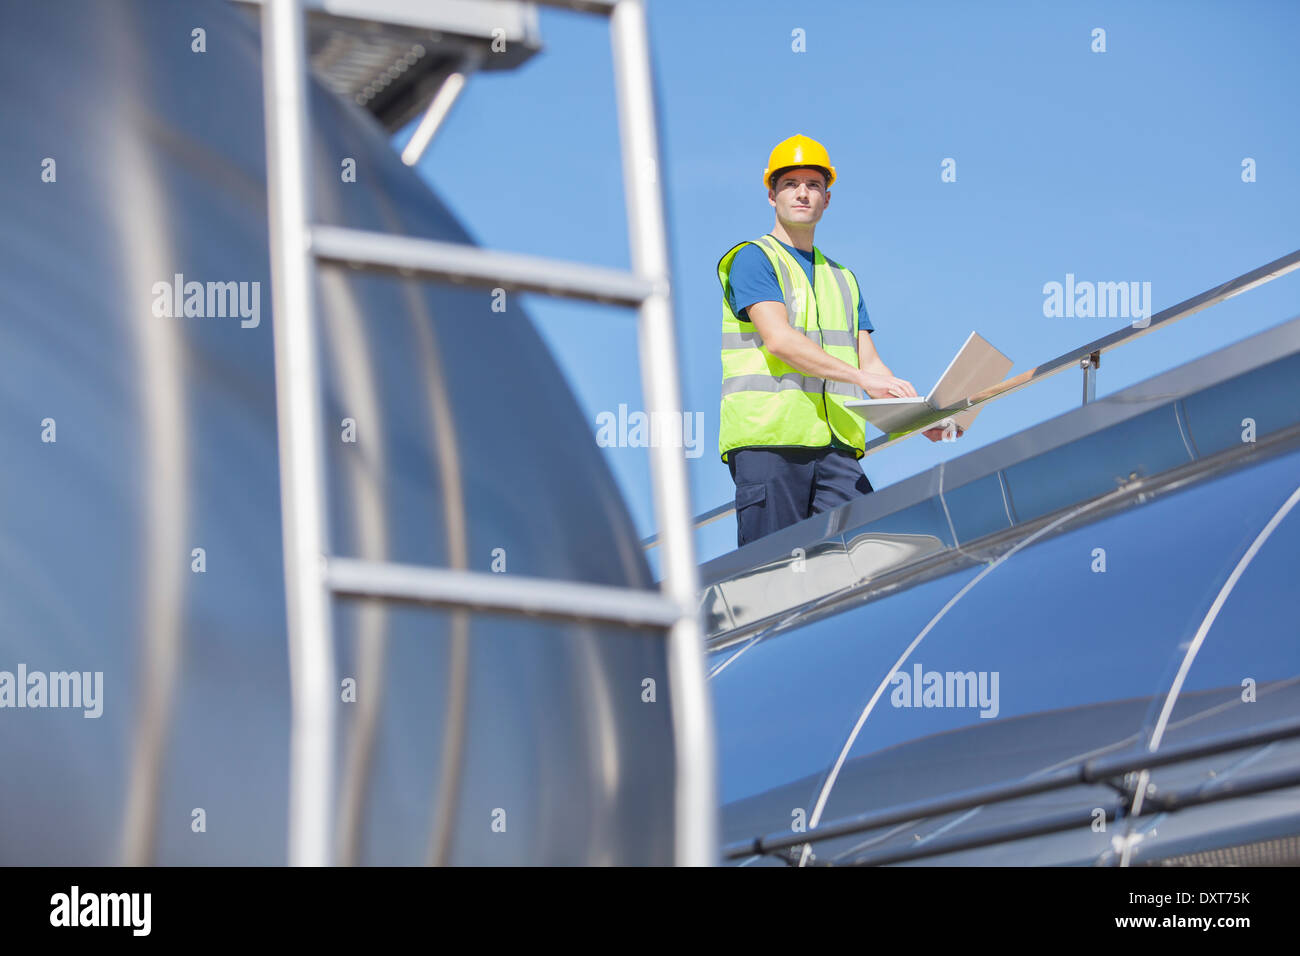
(800, 197)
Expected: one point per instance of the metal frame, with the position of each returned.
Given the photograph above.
(439, 107)
(452, 262)
(310, 577)
(301, 444)
(1090, 363)
(1086, 357)
(484, 591)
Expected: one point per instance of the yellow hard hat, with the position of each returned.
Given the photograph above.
(798, 150)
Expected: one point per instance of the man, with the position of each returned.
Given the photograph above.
(796, 345)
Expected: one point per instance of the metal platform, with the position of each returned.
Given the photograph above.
(392, 57)
(1180, 426)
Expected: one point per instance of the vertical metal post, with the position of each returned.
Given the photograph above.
(302, 473)
(1090, 364)
(696, 804)
(439, 107)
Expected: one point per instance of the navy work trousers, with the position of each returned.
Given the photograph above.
(775, 487)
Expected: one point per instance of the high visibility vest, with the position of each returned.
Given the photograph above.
(764, 400)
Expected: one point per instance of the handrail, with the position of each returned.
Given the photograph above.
(1098, 770)
(1088, 356)
(1169, 802)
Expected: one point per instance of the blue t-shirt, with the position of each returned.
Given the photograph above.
(752, 279)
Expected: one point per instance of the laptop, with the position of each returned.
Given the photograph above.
(975, 367)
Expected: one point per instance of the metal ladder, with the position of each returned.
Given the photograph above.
(312, 577)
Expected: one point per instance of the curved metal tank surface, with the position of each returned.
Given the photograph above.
(1094, 636)
(164, 443)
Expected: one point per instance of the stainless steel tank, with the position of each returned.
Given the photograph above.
(139, 498)
(1111, 586)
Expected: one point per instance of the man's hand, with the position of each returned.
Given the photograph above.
(886, 386)
(935, 433)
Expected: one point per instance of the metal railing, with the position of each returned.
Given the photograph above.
(1099, 770)
(1086, 357)
(312, 577)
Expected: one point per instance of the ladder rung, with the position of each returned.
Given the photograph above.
(457, 262)
(485, 591)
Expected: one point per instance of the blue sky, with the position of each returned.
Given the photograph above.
(1117, 166)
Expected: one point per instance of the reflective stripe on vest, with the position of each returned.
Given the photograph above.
(742, 340)
(768, 402)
